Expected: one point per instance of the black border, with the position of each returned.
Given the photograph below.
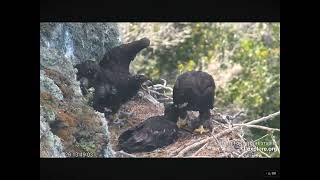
(197, 168)
(161, 11)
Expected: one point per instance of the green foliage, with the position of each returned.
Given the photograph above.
(257, 88)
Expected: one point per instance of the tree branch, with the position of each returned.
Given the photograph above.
(157, 93)
(263, 118)
(258, 127)
(206, 140)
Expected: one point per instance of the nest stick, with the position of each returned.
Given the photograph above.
(227, 131)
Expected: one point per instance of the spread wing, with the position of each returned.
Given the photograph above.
(120, 57)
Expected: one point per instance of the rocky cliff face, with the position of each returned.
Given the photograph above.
(68, 126)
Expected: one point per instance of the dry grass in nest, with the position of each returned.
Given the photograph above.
(141, 111)
(225, 140)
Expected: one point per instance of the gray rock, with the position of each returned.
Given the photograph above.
(47, 114)
(80, 41)
(48, 85)
(50, 144)
(63, 45)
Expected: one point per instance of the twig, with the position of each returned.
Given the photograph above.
(261, 137)
(186, 148)
(234, 153)
(181, 147)
(221, 124)
(263, 118)
(189, 148)
(165, 99)
(164, 82)
(241, 155)
(206, 140)
(243, 139)
(242, 134)
(160, 86)
(157, 93)
(258, 127)
(220, 147)
(237, 115)
(198, 151)
(151, 99)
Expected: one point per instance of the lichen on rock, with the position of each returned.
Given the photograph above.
(50, 144)
(69, 127)
(48, 85)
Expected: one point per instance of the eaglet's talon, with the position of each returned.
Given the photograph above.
(201, 130)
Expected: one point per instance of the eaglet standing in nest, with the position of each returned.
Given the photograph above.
(194, 91)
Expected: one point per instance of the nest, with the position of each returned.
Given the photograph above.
(227, 138)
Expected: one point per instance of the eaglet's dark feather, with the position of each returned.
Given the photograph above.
(111, 79)
(194, 91)
(155, 132)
